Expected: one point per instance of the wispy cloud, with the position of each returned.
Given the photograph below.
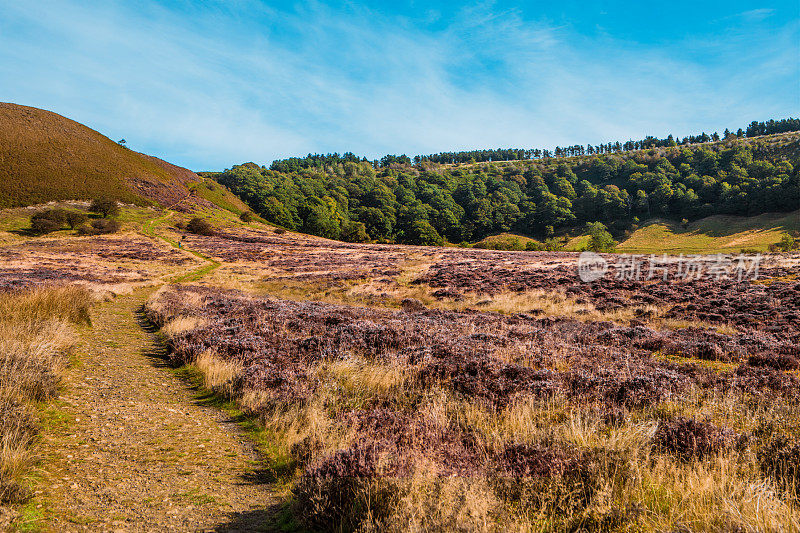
(228, 83)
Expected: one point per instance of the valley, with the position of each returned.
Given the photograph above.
(304, 383)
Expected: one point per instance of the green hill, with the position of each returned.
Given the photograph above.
(715, 234)
(45, 157)
(710, 235)
(392, 200)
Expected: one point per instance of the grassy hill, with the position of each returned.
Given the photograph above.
(505, 241)
(715, 234)
(45, 157)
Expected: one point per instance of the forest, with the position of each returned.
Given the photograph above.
(430, 201)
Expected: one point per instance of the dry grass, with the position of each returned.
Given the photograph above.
(600, 468)
(70, 303)
(35, 335)
(218, 374)
(181, 324)
(717, 494)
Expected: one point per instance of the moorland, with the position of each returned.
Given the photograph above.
(195, 365)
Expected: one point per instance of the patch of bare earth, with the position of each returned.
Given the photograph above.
(132, 448)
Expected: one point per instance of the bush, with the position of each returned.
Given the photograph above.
(246, 217)
(688, 438)
(44, 225)
(106, 225)
(48, 221)
(778, 361)
(200, 226)
(787, 244)
(780, 459)
(105, 206)
(344, 492)
(548, 476)
(100, 227)
(75, 219)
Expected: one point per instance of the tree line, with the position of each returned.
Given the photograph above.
(755, 129)
(346, 197)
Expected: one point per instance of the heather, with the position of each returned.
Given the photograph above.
(439, 419)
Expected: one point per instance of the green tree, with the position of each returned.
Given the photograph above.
(75, 219)
(320, 217)
(105, 206)
(600, 239)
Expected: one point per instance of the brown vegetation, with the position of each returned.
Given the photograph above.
(436, 419)
(49, 157)
(34, 338)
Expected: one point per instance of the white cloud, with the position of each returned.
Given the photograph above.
(224, 85)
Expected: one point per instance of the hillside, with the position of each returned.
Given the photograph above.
(715, 234)
(391, 200)
(45, 156)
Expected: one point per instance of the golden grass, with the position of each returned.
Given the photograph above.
(714, 494)
(34, 338)
(182, 324)
(218, 374)
(69, 303)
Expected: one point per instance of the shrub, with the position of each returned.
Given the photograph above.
(279, 231)
(780, 458)
(100, 227)
(412, 305)
(44, 225)
(200, 226)
(787, 244)
(688, 438)
(75, 219)
(107, 225)
(246, 217)
(548, 476)
(778, 361)
(344, 492)
(49, 220)
(105, 206)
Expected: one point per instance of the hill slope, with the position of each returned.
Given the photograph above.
(714, 234)
(45, 156)
(349, 198)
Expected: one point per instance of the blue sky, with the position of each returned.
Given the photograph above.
(212, 84)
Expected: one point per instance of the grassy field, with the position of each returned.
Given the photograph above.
(716, 234)
(35, 334)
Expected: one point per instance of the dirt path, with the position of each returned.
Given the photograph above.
(129, 447)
